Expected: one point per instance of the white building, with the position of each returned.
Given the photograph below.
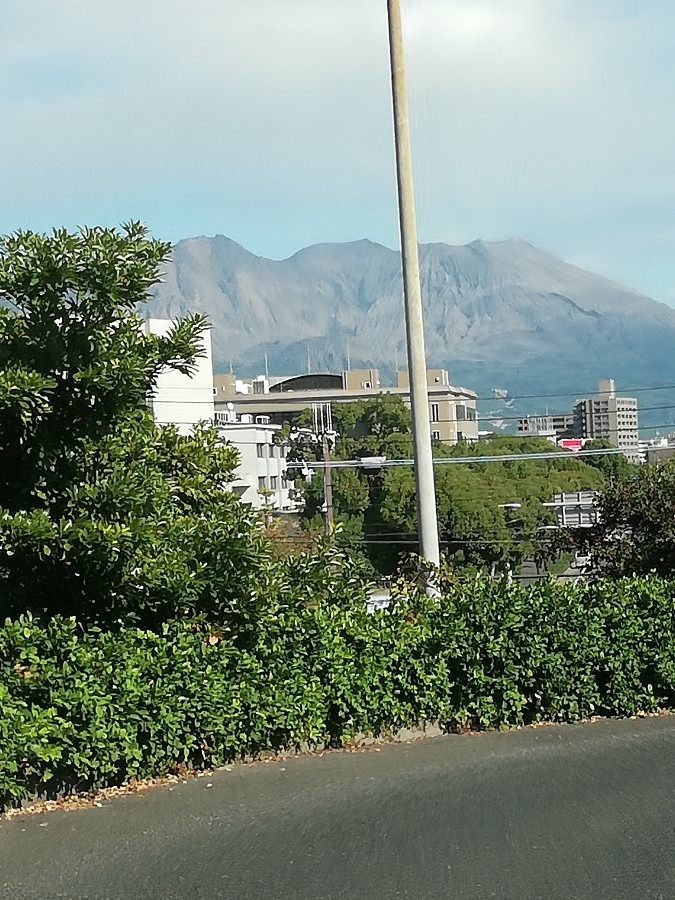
(605, 415)
(186, 400)
(260, 478)
(576, 509)
(452, 410)
(183, 400)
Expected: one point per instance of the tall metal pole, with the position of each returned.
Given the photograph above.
(412, 296)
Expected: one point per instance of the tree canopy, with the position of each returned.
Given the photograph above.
(104, 515)
(614, 467)
(478, 526)
(636, 530)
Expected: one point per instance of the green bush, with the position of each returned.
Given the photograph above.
(83, 709)
(103, 515)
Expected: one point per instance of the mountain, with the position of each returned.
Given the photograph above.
(505, 314)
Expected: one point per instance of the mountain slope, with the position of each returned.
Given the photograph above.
(495, 313)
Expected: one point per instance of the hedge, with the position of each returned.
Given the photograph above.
(81, 710)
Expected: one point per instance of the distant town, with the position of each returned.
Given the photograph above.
(250, 412)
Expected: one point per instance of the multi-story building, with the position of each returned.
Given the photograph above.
(185, 400)
(563, 425)
(554, 428)
(452, 410)
(537, 426)
(604, 415)
(607, 416)
(261, 476)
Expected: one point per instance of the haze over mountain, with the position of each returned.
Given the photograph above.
(503, 314)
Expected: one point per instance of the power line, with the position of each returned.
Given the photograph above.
(372, 539)
(579, 393)
(488, 417)
(526, 436)
(640, 409)
(382, 462)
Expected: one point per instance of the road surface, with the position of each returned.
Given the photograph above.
(555, 813)
(528, 574)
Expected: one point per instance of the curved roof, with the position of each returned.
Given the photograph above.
(319, 381)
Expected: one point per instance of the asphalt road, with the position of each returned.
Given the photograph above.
(528, 573)
(555, 812)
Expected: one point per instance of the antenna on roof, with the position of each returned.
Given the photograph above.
(267, 368)
(349, 357)
(309, 364)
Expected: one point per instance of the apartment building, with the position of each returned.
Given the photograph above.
(537, 426)
(452, 410)
(185, 400)
(261, 476)
(605, 415)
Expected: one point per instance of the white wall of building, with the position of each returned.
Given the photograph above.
(260, 478)
(186, 400)
(183, 400)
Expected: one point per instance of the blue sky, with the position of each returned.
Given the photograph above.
(270, 122)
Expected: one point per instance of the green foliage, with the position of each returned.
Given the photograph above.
(378, 507)
(103, 515)
(614, 467)
(82, 709)
(636, 534)
(73, 353)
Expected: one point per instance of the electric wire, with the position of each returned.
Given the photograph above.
(382, 462)
(487, 417)
(625, 392)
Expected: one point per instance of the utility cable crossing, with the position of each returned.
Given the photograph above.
(381, 462)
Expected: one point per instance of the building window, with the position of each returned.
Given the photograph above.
(274, 482)
(461, 413)
(436, 435)
(261, 451)
(261, 483)
(434, 412)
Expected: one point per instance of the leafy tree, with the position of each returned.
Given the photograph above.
(636, 533)
(377, 506)
(102, 514)
(614, 467)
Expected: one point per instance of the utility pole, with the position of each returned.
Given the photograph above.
(412, 296)
(327, 485)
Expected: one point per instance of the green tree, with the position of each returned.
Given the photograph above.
(614, 466)
(102, 514)
(377, 506)
(636, 533)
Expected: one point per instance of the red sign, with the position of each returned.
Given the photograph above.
(573, 444)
